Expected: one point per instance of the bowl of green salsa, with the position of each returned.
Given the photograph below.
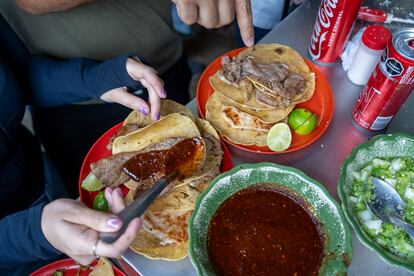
(390, 158)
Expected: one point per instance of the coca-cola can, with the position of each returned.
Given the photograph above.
(332, 28)
(389, 85)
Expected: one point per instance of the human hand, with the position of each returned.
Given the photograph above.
(148, 77)
(217, 13)
(73, 228)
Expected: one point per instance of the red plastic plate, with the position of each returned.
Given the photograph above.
(71, 269)
(99, 151)
(321, 103)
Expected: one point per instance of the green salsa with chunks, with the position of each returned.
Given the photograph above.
(399, 173)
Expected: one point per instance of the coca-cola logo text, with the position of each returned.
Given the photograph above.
(323, 22)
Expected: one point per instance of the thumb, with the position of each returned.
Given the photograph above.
(96, 220)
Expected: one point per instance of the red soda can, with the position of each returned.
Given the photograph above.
(332, 28)
(389, 85)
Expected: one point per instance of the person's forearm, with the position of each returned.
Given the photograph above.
(39, 7)
(22, 239)
(56, 82)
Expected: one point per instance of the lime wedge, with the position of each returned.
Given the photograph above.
(91, 183)
(298, 117)
(279, 137)
(308, 126)
(100, 203)
(302, 121)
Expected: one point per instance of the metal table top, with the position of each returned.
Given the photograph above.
(321, 160)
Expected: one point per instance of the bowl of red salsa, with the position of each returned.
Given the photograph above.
(262, 219)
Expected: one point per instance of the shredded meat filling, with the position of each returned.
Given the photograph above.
(292, 85)
(271, 100)
(231, 70)
(275, 72)
(275, 76)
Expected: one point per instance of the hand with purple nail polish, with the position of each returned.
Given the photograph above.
(73, 228)
(148, 77)
(144, 110)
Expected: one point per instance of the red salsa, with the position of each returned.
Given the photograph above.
(263, 231)
(184, 157)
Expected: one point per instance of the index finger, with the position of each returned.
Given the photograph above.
(115, 200)
(245, 21)
(154, 101)
(151, 78)
(96, 220)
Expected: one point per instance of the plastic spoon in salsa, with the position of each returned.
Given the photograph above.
(387, 205)
(181, 160)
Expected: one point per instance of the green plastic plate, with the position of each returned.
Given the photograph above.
(387, 145)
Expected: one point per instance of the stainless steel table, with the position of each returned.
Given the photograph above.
(321, 160)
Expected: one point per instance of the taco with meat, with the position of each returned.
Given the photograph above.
(237, 126)
(164, 230)
(266, 77)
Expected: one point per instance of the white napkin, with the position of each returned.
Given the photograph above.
(351, 47)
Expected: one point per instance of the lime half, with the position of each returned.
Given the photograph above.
(279, 137)
(100, 203)
(303, 121)
(308, 126)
